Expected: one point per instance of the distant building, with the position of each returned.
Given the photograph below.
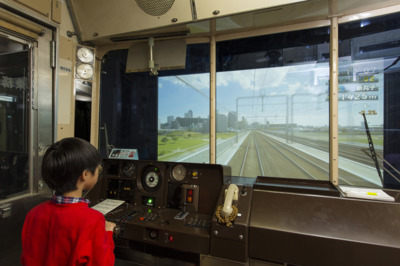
(195, 124)
(222, 123)
(232, 120)
(189, 114)
(242, 124)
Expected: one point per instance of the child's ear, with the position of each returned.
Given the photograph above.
(84, 175)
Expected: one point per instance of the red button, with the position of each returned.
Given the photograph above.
(170, 238)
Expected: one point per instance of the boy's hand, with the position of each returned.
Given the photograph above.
(110, 226)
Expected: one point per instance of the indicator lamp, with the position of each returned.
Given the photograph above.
(189, 195)
(150, 201)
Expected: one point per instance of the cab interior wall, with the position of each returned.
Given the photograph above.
(272, 84)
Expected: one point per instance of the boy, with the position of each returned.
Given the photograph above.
(65, 231)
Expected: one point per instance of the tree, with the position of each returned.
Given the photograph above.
(164, 140)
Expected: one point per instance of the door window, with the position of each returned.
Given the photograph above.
(14, 95)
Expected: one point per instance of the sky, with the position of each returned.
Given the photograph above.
(290, 94)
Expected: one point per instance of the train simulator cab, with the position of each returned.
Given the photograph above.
(176, 213)
(238, 133)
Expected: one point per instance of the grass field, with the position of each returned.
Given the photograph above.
(176, 143)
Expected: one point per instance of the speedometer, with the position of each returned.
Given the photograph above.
(151, 179)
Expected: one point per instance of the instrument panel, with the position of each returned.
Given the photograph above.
(171, 208)
(167, 204)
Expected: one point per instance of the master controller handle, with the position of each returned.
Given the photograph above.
(231, 194)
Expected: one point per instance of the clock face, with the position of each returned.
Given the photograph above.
(85, 55)
(84, 71)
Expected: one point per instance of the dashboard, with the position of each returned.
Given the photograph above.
(167, 204)
(175, 210)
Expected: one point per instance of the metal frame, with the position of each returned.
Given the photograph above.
(213, 37)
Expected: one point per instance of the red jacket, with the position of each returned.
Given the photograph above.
(66, 234)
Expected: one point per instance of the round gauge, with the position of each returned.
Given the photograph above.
(85, 71)
(128, 169)
(151, 179)
(179, 172)
(85, 55)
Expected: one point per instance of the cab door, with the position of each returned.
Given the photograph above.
(27, 71)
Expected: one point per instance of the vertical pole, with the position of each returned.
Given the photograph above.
(333, 103)
(95, 113)
(213, 112)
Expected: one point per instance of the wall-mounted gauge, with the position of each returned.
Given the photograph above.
(128, 169)
(84, 71)
(151, 179)
(178, 172)
(85, 55)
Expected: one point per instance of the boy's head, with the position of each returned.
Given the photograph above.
(64, 162)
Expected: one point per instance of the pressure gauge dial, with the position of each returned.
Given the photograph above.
(84, 71)
(85, 55)
(179, 172)
(128, 169)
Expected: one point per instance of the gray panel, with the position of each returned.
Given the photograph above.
(214, 261)
(322, 230)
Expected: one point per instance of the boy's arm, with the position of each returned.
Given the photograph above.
(102, 245)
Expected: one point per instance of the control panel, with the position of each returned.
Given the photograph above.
(167, 204)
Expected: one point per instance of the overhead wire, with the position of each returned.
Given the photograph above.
(202, 93)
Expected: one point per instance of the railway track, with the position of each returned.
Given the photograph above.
(264, 155)
(348, 151)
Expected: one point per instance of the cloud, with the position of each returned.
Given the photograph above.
(197, 81)
(272, 81)
(242, 77)
(294, 88)
(254, 79)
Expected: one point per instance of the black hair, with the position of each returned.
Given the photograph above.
(65, 160)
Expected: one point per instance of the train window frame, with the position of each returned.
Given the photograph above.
(40, 114)
(342, 19)
(313, 23)
(259, 51)
(372, 68)
(16, 161)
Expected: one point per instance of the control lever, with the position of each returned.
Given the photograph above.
(230, 194)
(226, 213)
(182, 214)
(117, 230)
